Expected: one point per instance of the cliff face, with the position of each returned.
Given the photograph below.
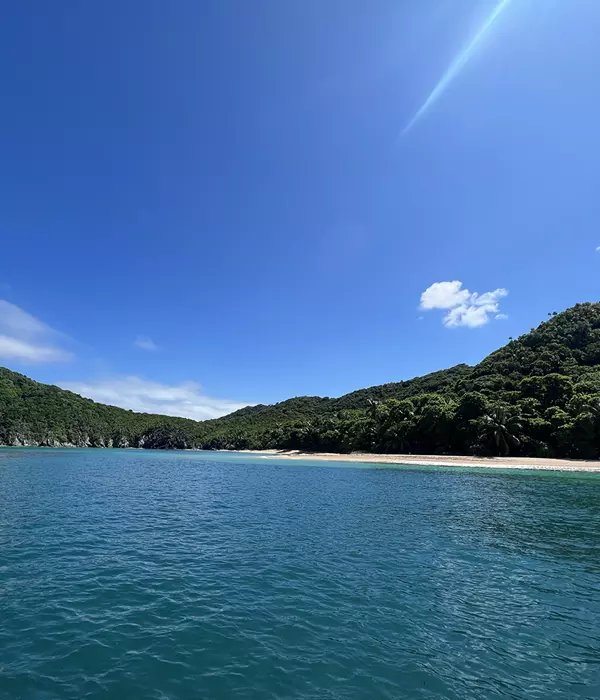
(145, 441)
(24, 439)
(84, 441)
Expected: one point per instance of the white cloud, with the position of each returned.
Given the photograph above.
(142, 341)
(464, 308)
(15, 349)
(25, 338)
(500, 317)
(186, 400)
(598, 249)
(444, 295)
(469, 316)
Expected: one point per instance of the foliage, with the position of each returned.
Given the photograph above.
(501, 428)
(538, 396)
(38, 414)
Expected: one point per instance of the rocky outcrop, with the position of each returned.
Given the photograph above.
(19, 441)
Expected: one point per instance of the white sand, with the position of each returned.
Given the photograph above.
(566, 465)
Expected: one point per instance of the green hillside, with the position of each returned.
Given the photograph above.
(538, 395)
(38, 414)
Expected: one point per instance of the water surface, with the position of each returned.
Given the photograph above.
(134, 574)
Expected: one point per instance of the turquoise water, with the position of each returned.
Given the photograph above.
(130, 574)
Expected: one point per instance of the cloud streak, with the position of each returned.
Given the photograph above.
(24, 338)
(145, 343)
(137, 394)
(456, 66)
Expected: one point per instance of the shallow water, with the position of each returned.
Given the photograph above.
(131, 574)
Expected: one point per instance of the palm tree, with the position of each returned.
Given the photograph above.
(371, 409)
(594, 408)
(502, 428)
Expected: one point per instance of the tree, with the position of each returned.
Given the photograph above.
(473, 404)
(502, 428)
(551, 389)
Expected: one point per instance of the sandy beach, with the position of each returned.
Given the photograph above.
(566, 465)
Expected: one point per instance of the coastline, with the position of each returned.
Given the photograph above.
(465, 461)
(533, 463)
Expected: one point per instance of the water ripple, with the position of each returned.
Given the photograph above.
(171, 576)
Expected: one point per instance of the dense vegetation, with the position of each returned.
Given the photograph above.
(537, 396)
(37, 414)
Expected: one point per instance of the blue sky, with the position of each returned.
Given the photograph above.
(207, 204)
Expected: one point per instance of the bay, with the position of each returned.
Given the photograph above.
(175, 575)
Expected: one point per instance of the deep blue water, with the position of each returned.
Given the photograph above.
(131, 574)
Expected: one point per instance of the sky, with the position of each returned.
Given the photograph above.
(211, 204)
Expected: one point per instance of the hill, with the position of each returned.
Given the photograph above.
(38, 414)
(538, 396)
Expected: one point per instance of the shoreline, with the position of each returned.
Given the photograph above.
(533, 463)
(465, 461)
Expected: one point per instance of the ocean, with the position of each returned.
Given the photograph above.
(129, 574)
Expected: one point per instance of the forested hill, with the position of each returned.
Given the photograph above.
(38, 414)
(538, 395)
